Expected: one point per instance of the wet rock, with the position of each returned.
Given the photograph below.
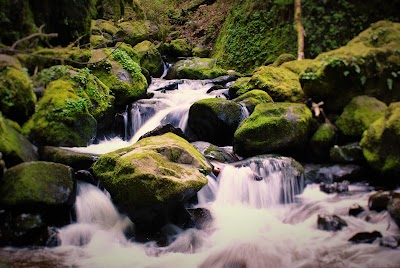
(160, 130)
(394, 208)
(333, 173)
(67, 157)
(365, 237)
(150, 58)
(273, 128)
(252, 98)
(214, 88)
(195, 68)
(321, 141)
(379, 201)
(355, 210)
(390, 241)
(222, 80)
(199, 218)
(212, 152)
(330, 223)
(171, 86)
(336, 187)
(86, 176)
(349, 153)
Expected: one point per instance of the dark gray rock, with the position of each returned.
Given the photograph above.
(330, 223)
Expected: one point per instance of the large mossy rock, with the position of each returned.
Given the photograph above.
(368, 65)
(177, 48)
(321, 142)
(17, 99)
(120, 73)
(152, 174)
(150, 58)
(14, 146)
(272, 128)
(215, 120)
(380, 142)
(359, 114)
(195, 68)
(252, 98)
(34, 186)
(135, 31)
(62, 117)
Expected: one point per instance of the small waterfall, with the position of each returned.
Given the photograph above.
(259, 182)
(125, 116)
(245, 112)
(136, 118)
(95, 214)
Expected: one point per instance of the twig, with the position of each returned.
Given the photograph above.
(32, 36)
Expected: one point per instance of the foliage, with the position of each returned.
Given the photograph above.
(127, 63)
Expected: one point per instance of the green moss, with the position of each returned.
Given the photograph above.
(14, 147)
(282, 59)
(61, 117)
(136, 31)
(150, 58)
(37, 183)
(359, 114)
(379, 142)
(241, 86)
(195, 68)
(178, 48)
(252, 98)
(129, 50)
(102, 27)
(280, 83)
(17, 99)
(254, 34)
(155, 169)
(273, 127)
(97, 41)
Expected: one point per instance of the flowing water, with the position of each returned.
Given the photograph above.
(262, 214)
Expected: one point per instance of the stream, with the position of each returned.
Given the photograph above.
(270, 221)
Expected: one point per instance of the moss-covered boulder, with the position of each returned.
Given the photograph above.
(240, 86)
(280, 83)
(110, 9)
(252, 98)
(215, 153)
(14, 147)
(135, 31)
(67, 157)
(62, 117)
(150, 58)
(120, 73)
(359, 114)
(33, 186)
(106, 28)
(321, 142)
(151, 175)
(273, 127)
(177, 48)
(285, 57)
(195, 68)
(368, 65)
(380, 142)
(17, 99)
(214, 120)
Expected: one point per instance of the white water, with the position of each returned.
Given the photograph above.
(251, 227)
(171, 106)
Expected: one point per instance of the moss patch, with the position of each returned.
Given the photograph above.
(195, 68)
(150, 58)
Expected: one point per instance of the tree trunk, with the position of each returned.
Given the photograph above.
(299, 28)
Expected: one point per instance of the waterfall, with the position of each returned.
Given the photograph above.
(257, 182)
(95, 214)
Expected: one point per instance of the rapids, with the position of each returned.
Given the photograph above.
(262, 213)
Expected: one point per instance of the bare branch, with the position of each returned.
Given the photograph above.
(40, 33)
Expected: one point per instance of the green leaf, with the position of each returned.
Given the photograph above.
(346, 73)
(363, 79)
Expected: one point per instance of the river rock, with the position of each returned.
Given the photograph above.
(39, 187)
(177, 48)
(359, 114)
(67, 157)
(365, 237)
(379, 201)
(214, 120)
(380, 143)
(347, 154)
(336, 187)
(367, 65)
(195, 68)
(200, 218)
(252, 98)
(215, 153)
(160, 130)
(394, 209)
(321, 142)
(133, 32)
(330, 223)
(152, 177)
(17, 98)
(273, 128)
(150, 58)
(14, 146)
(316, 173)
(355, 210)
